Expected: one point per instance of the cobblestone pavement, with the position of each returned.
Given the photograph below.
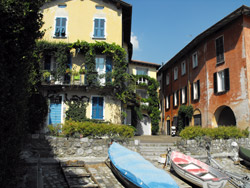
(104, 176)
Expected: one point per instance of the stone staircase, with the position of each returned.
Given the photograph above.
(152, 151)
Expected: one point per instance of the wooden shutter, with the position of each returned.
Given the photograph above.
(198, 88)
(186, 95)
(192, 91)
(215, 82)
(227, 79)
(180, 96)
(177, 94)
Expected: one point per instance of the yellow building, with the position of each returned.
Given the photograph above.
(68, 21)
(141, 68)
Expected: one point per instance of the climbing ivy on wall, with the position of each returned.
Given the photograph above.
(185, 114)
(76, 110)
(153, 100)
(124, 84)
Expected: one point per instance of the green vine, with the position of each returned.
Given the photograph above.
(152, 100)
(61, 53)
(185, 114)
(124, 84)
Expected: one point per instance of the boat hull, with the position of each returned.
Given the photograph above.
(244, 153)
(197, 172)
(134, 171)
(121, 178)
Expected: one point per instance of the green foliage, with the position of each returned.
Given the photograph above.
(76, 110)
(88, 128)
(20, 23)
(153, 100)
(222, 132)
(60, 51)
(54, 130)
(185, 113)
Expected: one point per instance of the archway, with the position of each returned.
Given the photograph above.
(224, 116)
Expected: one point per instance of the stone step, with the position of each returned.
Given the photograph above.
(157, 144)
(163, 149)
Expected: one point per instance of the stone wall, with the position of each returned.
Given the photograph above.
(197, 147)
(81, 147)
(87, 147)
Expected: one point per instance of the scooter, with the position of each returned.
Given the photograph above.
(173, 131)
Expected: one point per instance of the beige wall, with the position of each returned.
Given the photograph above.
(151, 71)
(112, 107)
(80, 24)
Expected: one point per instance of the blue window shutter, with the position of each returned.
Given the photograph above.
(99, 27)
(63, 27)
(60, 27)
(94, 107)
(96, 33)
(102, 27)
(108, 69)
(97, 108)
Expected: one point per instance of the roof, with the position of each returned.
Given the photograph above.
(243, 10)
(144, 63)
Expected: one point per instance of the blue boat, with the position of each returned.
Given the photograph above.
(134, 171)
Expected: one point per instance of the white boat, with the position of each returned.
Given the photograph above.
(196, 171)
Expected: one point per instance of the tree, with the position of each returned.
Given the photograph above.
(20, 23)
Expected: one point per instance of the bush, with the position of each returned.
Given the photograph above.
(88, 128)
(55, 130)
(223, 132)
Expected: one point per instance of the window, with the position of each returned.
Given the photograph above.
(175, 99)
(221, 81)
(183, 68)
(183, 96)
(167, 102)
(175, 73)
(103, 65)
(99, 7)
(141, 71)
(197, 120)
(60, 28)
(167, 79)
(99, 28)
(195, 90)
(195, 60)
(219, 50)
(97, 107)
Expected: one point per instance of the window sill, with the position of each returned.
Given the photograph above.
(220, 63)
(55, 37)
(99, 38)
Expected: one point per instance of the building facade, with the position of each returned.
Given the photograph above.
(140, 68)
(212, 74)
(69, 21)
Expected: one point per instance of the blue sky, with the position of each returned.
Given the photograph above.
(161, 28)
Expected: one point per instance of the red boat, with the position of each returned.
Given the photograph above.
(196, 171)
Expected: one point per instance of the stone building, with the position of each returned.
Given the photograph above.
(211, 73)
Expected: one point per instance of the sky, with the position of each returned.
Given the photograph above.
(161, 28)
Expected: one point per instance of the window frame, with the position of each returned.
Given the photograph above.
(183, 68)
(167, 103)
(175, 99)
(104, 30)
(197, 86)
(195, 59)
(176, 73)
(66, 27)
(225, 81)
(167, 79)
(218, 52)
(183, 95)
